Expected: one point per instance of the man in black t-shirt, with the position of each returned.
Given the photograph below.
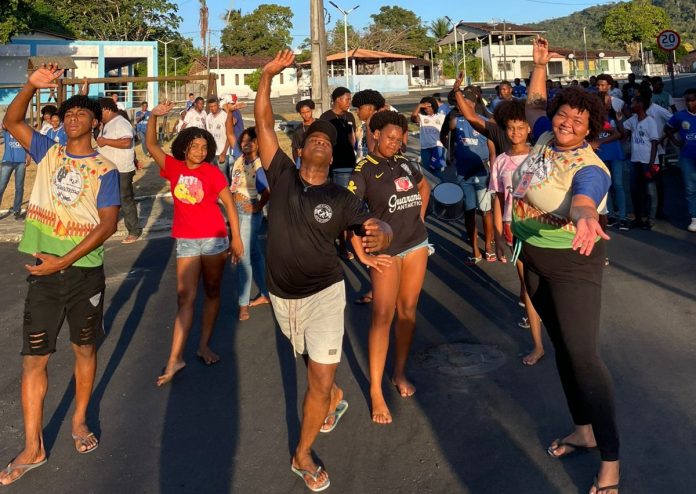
(343, 120)
(305, 278)
(306, 110)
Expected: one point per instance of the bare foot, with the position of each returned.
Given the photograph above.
(336, 396)
(260, 300)
(26, 458)
(207, 355)
(404, 386)
(169, 372)
(578, 438)
(243, 312)
(306, 464)
(85, 440)
(380, 410)
(533, 357)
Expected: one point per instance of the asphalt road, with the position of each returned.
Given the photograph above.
(472, 427)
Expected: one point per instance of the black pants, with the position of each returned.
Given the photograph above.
(566, 290)
(128, 207)
(639, 190)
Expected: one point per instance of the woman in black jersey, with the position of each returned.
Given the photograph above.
(398, 195)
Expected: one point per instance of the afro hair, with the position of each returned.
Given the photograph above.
(509, 111)
(383, 118)
(432, 101)
(80, 101)
(369, 97)
(249, 131)
(305, 102)
(108, 104)
(581, 100)
(183, 141)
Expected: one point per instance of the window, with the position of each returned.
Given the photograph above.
(507, 66)
(246, 79)
(622, 63)
(222, 79)
(555, 68)
(236, 79)
(281, 78)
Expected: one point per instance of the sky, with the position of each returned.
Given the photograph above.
(516, 11)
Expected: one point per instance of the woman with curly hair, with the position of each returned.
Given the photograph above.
(430, 122)
(202, 243)
(397, 194)
(558, 192)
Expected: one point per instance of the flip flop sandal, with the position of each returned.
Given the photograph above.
(336, 414)
(599, 489)
(84, 441)
(576, 448)
(473, 261)
(363, 300)
(491, 257)
(25, 468)
(301, 473)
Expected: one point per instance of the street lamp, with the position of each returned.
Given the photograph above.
(456, 53)
(166, 73)
(345, 31)
(601, 56)
(584, 40)
(175, 73)
(571, 57)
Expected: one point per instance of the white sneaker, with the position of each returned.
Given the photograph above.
(692, 226)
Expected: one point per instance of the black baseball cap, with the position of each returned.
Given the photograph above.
(325, 128)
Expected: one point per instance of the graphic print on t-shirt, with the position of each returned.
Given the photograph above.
(67, 185)
(323, 213)
(403, 184)
(189, 190)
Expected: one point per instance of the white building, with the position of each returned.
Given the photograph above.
(233, 73)
(92, 59)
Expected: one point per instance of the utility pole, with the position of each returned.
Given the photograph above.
(320, 83)
(456, 50)
(175, 73)
(345, 33)
(584, 40)
(166, 72)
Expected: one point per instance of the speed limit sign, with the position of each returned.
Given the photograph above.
(668, 40)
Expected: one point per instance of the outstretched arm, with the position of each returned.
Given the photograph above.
(15, 124)
(263, 111)
(536, 94)
(151, 132)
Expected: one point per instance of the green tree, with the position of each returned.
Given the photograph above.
(14, 18)
(253, 80)
(439, 28)
(395, 29)
(336, 39)
(632, 23)
(261, 32)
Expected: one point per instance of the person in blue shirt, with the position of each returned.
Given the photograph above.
(14, 159)
(57, 133)
(443, 105)
(471, 152)
(141, 118)
(519, 90)
(681, 130)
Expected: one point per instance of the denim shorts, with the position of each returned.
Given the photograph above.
(476, 193)
(194, 247)
(424, 243)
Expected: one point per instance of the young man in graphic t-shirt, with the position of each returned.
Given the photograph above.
(215, 124)
(73, 209)
(305, 278)
(195, 116)
(681, 130)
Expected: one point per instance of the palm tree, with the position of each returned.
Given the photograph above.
(439, 28)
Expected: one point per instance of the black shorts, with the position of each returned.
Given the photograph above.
(75, 293)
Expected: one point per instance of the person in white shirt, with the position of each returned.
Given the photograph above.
(645, 137)
(115, 143)
(196, 116)
(119, 105)
(215, 124)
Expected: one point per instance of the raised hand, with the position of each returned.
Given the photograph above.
(45, 76)
(540, 51)
(458, 81)
(283, 60)
(162, 109)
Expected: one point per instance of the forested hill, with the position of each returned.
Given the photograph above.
(566, 32)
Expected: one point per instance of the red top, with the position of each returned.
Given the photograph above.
(195, 192)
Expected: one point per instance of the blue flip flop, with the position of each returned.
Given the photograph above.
(337, 414)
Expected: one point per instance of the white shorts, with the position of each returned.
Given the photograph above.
(314, 324)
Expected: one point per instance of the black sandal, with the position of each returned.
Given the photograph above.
(599, 489)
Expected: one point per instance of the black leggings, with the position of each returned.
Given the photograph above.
(566, 290)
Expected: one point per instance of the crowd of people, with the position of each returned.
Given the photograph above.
(542, 165)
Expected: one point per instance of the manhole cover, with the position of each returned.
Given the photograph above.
(461, 359)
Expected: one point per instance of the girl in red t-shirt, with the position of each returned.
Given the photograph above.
(202, 244)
